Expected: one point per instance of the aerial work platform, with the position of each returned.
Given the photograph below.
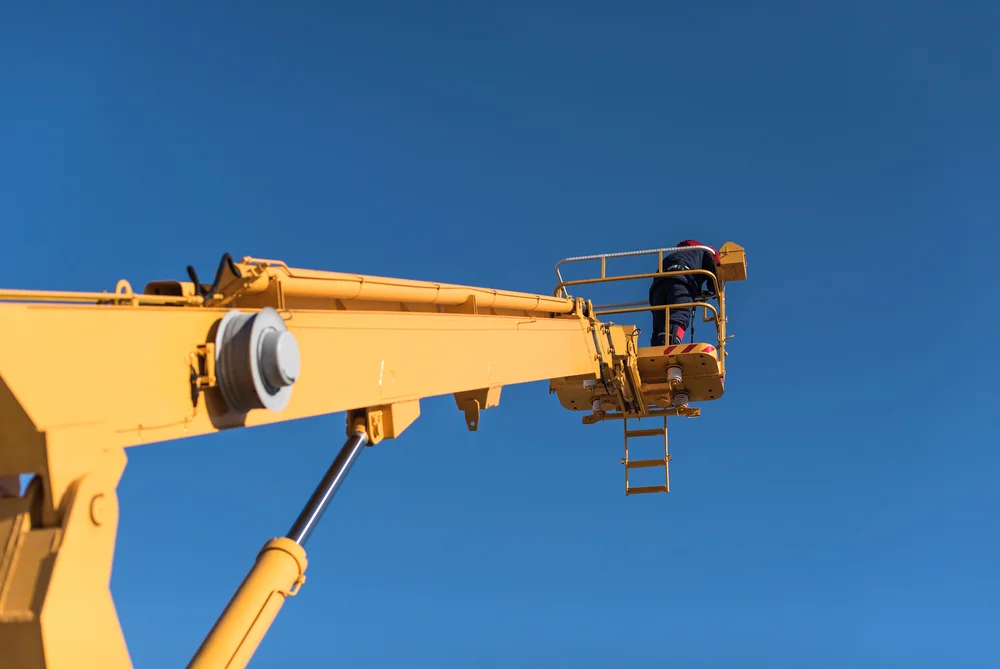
(663, 380)
(86, 375)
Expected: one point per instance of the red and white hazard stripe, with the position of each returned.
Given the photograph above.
(680, 349)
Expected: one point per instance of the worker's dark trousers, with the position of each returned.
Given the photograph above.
(669, 291)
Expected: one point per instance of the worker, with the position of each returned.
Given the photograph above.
(680, 289)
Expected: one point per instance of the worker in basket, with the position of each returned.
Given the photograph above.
(666, 290)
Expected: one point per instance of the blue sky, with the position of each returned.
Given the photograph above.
(836, 508)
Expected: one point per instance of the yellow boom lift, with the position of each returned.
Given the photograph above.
(83, 376)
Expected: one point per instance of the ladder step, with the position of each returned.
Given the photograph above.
(639, 490)
(638, 464)
(645, 433)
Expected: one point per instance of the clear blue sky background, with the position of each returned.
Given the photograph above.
(837, 508)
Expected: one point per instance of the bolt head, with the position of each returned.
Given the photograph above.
(280, 359)
(289, 359)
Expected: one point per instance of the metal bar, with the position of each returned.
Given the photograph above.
(655, 432)
(7, 295)
(660, 307)
(626, 254)
(313, 284)
(639, 490)
(561, 286)
(625, 459)
(638, 464)
(666, 456)
(327, 488)
(615, 305)
(654, 413)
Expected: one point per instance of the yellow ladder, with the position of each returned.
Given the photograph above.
(640, 464)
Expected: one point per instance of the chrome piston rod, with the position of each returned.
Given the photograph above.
(277, 574)
(327, 488)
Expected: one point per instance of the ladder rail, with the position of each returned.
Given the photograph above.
(647, 463)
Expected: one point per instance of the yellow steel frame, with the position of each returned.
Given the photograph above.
(84, 376)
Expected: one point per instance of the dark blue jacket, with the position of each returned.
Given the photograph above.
(691, 259)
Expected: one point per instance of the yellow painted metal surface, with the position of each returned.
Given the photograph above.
(55, 603)
(732, 262)
(84, 376)
(278, 574)
(699, 364)
(131, 367)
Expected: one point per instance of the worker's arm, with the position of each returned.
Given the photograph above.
(708, 264)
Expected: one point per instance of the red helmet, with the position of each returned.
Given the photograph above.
(694, 242)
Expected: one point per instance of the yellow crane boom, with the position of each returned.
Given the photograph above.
(83, 376)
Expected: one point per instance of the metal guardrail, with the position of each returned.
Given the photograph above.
(604, 257)
(710, 313)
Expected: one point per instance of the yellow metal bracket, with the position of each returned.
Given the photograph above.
(296, 586)
(620, 368)
(733, 262)
(383, 422)
(474, 401)
(598, 417)
(203, 366)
